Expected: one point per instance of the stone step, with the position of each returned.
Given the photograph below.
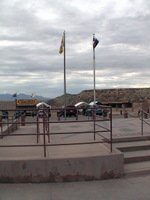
(136, 156)
(132, 146)
(133, 143)
(135, 169)
(131, 139)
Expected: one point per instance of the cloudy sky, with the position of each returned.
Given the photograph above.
(30, 36)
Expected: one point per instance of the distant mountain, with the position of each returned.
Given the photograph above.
(9, 97)
(104, 96)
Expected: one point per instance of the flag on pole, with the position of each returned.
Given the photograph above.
(61, 49)
(95, 42)
(14, 95)
(33, 95)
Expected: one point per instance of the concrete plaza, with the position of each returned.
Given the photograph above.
(136, 188)
(121, 127)
(133, 188)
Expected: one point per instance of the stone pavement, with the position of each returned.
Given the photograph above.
(121, 128)
(129, 127)
(136, 188)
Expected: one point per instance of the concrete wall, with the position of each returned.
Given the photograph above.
(8, 129)
(65, 169)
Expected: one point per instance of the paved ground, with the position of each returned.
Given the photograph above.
(53, 151)
(116, 189)
(136, 188)
(38, 152)
(121, 128)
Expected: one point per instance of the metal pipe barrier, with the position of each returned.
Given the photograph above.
(44, 121)
(144, 117)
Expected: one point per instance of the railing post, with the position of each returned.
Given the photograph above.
(111, 129)
(13, 124)
(77, 114)
(48, 123)
(1, 126)
(44, 139)
(94, 118)
(8, 127)
(142, 122)
(37, 128)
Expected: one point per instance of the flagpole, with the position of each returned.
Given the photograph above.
(65, 100)
(94, 92)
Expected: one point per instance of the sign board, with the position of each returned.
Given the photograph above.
(26, 102)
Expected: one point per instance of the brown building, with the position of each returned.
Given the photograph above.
(7, 105)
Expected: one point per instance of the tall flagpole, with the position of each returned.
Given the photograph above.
(62, 49)
(65, 103)
(65, 98)
(94, 92)
(95, 43)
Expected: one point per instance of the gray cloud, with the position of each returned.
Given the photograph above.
(30, 37)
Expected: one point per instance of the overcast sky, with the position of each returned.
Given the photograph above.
(30, 36)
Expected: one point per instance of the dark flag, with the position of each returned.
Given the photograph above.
(95, 42)
(14, 95)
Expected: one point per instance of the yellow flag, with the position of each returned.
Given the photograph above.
(61, 49)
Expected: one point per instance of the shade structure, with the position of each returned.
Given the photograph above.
(82, 103)
(43, 104)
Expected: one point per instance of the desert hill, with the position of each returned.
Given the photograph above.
(132, 95)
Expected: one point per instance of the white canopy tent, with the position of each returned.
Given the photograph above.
(94, 103)
(43, 104)
(82, 103)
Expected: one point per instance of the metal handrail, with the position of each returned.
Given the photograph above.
(143, 114)
(46, 130)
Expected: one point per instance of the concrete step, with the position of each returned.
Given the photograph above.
(137, 156)
(132, 146)
(135, 169)
(131, 139)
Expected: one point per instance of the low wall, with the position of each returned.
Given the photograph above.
(63, 169)
(9, 128)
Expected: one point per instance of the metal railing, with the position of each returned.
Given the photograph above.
(46, 129)
(141, 115)
(145, 119)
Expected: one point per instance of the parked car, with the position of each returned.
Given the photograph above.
(70, 111)
(41, 113)
(31, 113)
(90, 110)
(18, 114)
(4, 114)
